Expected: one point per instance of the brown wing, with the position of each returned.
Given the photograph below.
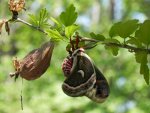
(81, 79)
(101, 90)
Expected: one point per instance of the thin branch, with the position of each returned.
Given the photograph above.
(88, 39)
(30, 25)
(131, 48)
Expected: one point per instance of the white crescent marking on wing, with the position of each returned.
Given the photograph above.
(82, 73)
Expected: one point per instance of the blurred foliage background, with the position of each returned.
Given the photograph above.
(129, 92)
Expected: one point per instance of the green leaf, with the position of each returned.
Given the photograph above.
(56, 22)
(141, 57)
(68, 47)
(97, 36)
(54, 34)
(40, 20)
(81, 44)
(143, 34)
(69, 30)
(114, 30)
(43, 18)
(90, 45)
(57, 25)
(134, 41)
(145, 71)
(69, 16)
(114, 50)
(124, 29)
(33, 18)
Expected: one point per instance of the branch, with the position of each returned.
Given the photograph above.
(131, 48)
(30, 25)
(88, 39)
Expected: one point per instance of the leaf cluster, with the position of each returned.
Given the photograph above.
(137, 35)
(40, 20)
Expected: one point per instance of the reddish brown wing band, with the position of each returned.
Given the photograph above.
(82, 76)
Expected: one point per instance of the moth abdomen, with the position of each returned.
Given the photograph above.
(67, 65)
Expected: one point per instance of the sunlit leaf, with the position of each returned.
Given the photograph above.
(69, 16)
(69, 30)
(54, 34)
(143, 34)
(33, 18)
(41, 19)
(56, 22)
(97, 36)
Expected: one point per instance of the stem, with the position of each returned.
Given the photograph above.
(147, 46)
(134, 49)
(124, 41)
(88, 39)
(30, 25)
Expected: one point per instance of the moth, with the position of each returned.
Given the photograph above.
(83, 78)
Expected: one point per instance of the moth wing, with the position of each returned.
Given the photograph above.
(101, 90)
(82, 77)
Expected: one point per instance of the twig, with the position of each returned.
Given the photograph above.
(134, 49)
(30, 25)
(88, 39)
